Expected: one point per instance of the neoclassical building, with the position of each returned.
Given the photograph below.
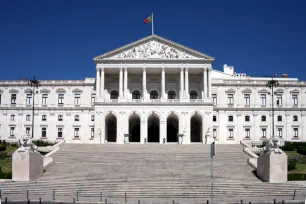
(152, 90)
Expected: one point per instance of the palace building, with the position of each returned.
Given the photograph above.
(154, 90)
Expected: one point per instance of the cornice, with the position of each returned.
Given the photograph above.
(49, 109)
(154, 61)
(258, 109)
(255, 85)
(97, 104)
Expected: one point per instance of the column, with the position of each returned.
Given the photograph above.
(120, 83)
(163, 95)
(102, 83)
(182, 83)
(125, 82)
(209, 82)
(186, 84)
(98, 83)
(144, 83)
(205, 82)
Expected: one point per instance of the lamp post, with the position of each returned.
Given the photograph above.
(33, 83)
(272, 84)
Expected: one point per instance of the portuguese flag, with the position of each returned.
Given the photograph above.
(149, 19)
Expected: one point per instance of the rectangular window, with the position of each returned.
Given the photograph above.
(263, 132)
(279, 118)
(214, 133)
(247, 118)
(60, 117)
(93, 99)
(76, 132)
(12, 117)
(230, 118)
(214, 118)
(12, 131)
(60, 99)
(263, 118)
(28, 130)
(263, 99)
(247, 99)
(43, 132)
(247, 133)
(60, 132)
(77, 99)
(214, 96)
(92, 117)
(0, 98)
(92, 132)
(44, 99)
(230, 133)
(44, 117)
(295, 99)
(28, 117)
(29, 99)
(280, 132)
(76, 118)
(295, 132)
(230, 98)
(279, 100)
(13, 98)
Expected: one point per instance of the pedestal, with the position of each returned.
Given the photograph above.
(272, 167)
(27, 166)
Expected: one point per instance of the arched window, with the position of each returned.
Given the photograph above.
(193, 95)
(153, 95)
(136, 94)
(114, 94)
(171, 95)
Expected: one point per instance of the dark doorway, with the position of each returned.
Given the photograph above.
(196, 128)
(172, 128)
(111, 128)
(134, 128)
(153, 129)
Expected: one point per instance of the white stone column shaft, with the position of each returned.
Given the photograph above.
(209, 83)
(102, 83)
(182, 83)
(205, 82)
(186, 83)
(163, 92)
(125, 83)
(144, 83)
(98, 83)
(120, 83)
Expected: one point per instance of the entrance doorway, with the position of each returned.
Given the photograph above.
(196, 128)
(153, 128)
(134, 128)
(111, 128)
(172, 128)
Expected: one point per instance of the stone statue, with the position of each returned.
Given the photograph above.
(208, 137)
(272, 145)
(26, 144)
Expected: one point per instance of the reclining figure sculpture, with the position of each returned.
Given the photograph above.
(272, 145)
(26, 144)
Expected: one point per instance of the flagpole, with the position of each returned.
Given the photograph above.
(152, 24)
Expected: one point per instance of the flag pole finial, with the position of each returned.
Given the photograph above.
(152, 24)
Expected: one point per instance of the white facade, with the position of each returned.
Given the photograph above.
(154, 89)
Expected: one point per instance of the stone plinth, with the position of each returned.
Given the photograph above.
(27, 166)
(272, 167)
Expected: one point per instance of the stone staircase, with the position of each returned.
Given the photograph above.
(150, 173)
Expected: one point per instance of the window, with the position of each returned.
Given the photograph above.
(60, 117)
(12, 117)
(280, 132)
(295, 99)
(44, 117)
(295, 132)
(92, 133)
(214, 118)
(279, 99)
(295, 118)
(93, 99)
(43, 132)
(28, 130)
(136, 94)
(60, 132)
(193, 95)
(171, 95)
(12, 131)
(247, 118)
(247, 99)
(263, 99)
(76, 132)
(214, 97)
(92, 117)
(230, 99)
(0, 98)
(60, 99)
(263, 118)
(44, 99)
(230, 118)
(231, 133)
(29, 99)
(28, 117)
(13, 98)
(214, 133)
(153, 95)
(247, 133)
(279, 118)
(76, 118)
(77, 99)
(263, 132)
(114, 94)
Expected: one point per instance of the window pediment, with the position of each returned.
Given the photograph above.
(230, 91)
(263, 91)
(77, 90)
(60, 90)
(13, 91)
(296, 91)
(44, 91)
(28, 90)
(279, 91)
(246, 90)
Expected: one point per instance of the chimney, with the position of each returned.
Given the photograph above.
(275, 75)
(285, 75)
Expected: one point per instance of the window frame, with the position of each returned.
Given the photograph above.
(230, 118)
(247, 99)
(264, 117)
(231, 133)
(295, 99)
(247, 133)
(28, 131)
(77, 132)
(230, 99)
(60, 117)
(247, 118)
(13, 99)
(263, 99)
(77, 99)
(154, 94)
(279, 118)
(193, 94)
(280, 132)
(214, 97)
(12, 117)
(295, 132)
(171, 94)
(44, 132)
(29, 99)
(44, 117)
(77, 118)
(61, 98)
(12, 131)
(60, 132)
(136, 94)
(264, 132)
(44, 99)
(114, 95)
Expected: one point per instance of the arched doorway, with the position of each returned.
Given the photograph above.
(172, 128)
(111, 128)
(134, 128)
(153, 128)
(196, 128)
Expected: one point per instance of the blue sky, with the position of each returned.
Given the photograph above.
(57, 39)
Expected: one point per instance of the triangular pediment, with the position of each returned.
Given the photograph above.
(153, 47)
